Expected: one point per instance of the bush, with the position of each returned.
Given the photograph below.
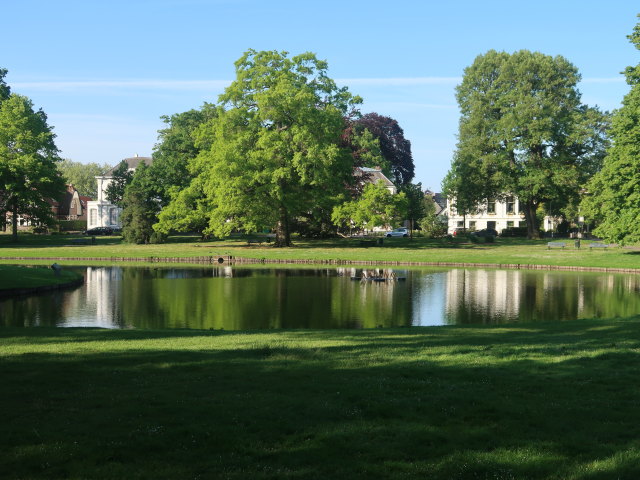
(39, 229)
(72, 225)
(157, 237)
(514, 232)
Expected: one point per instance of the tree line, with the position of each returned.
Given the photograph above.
(279, 149)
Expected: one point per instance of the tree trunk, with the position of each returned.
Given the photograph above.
(533, 230)
(283, 234)
(14, 222)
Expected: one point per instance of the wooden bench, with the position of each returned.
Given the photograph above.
(598, 245)
(368, 243)
(258, 240)
(551, 245)
(82, 241)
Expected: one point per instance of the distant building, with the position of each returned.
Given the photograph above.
(71, 206)
(103, 213)
(375, 175)
(495, 214)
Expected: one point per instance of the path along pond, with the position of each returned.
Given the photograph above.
(241, 298)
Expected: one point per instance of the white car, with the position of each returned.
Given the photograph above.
(398, 232)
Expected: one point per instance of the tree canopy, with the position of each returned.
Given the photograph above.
(394, 147)
(376, 207)
(524, 132)
(82, 175)
(275, 150)
(140, 207)
(28, 157)
(176, 147)
(120, 178)
(613, 197)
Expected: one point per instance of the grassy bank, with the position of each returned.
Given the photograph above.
(504, 251)
(551, 401)
(12, 277)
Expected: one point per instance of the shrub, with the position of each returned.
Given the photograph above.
(72, 225)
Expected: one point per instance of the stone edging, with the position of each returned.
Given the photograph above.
(229, 260)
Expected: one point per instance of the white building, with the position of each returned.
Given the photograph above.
(495, 214)
(101, 212)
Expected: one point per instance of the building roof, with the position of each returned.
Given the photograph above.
(373, 175)
(132, 162)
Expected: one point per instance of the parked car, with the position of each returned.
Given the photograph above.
(99, 231)
(398, 232)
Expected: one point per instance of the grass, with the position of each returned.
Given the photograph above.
(20, 277)
(504, 251)
(544, 401)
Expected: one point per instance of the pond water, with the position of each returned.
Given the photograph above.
(233, 298)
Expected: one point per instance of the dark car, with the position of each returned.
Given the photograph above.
(99, 231)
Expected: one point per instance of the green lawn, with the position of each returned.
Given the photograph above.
(20, 277)
(504, 251)
(544, 401)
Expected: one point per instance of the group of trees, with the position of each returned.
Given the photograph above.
(280, 147)
(613, 194)
(523, 131)
(278, 151)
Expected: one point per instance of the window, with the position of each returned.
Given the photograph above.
(491, 206)
(460, 224)
(491, 225)
(93, 216)
(511, 205)
(113, 216)
(510, 224)
(472, 225)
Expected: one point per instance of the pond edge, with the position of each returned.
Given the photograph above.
(229, 260)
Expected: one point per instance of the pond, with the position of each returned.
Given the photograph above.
(233, 298)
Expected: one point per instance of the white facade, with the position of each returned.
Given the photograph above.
(495, 214)
(101, 212)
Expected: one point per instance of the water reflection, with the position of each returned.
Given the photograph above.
(501, 296)
(244, 299)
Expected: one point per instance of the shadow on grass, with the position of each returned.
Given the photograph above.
(536, 401)
(52, 241)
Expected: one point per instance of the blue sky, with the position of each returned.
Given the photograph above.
(104, 72)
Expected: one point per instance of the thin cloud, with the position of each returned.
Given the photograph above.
(619, 79)
(401, 81)
(124, 85)
(156, 84)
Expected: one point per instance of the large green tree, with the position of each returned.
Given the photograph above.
(140, 207)
(613, 194)
(82, 175)
(274, 151)
(524, 132)
(28, 158)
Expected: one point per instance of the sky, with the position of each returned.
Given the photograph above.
(105, 72)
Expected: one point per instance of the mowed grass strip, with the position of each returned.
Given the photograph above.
(404, 250)
(12, 277)
(544, 401)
